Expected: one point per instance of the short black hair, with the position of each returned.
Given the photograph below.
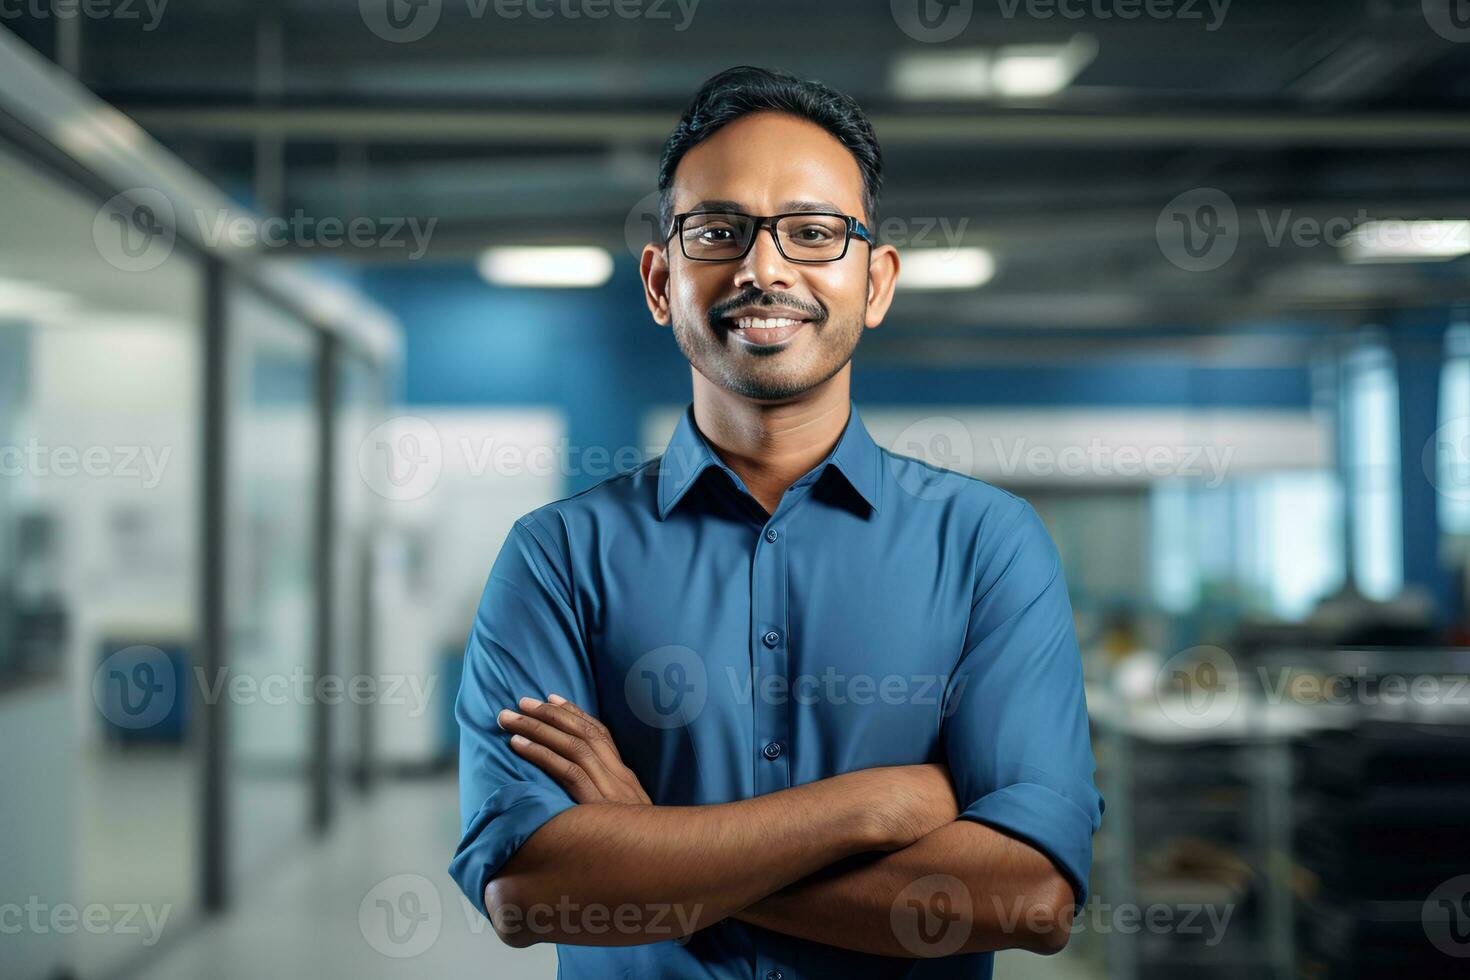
(741, 91)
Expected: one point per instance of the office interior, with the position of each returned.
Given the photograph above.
(1191, 279)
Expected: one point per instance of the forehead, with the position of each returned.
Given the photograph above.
(765, 162)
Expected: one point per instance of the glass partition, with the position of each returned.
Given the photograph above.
(270, 578)
(99, 485)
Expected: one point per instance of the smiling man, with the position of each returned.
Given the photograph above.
(778, 703)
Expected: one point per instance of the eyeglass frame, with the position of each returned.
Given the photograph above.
(855, 228)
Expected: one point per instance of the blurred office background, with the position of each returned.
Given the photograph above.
(277, 372)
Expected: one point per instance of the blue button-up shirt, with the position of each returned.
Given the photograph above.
(888, 613)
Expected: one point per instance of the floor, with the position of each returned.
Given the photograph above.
(319, 914)
(374, 902)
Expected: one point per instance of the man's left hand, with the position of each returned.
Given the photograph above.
(573, 748)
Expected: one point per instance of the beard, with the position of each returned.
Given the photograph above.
(776, 373)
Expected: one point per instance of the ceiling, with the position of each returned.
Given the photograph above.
(505, 127)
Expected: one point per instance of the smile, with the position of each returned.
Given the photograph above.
(764, 331)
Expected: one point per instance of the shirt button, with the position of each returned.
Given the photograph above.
(771, 535)
(772, 750)
(771, 638)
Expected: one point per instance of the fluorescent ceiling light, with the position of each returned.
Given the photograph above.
(1407, 241)
(552, 266)
(1036, 70)
(100, 132)
(942, 75)
(1013, 71)
(945, 268)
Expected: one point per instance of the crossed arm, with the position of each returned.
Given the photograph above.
(826, 861)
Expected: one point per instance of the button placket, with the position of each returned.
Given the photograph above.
(771, 660)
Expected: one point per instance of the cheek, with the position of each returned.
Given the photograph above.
(693, 293)
(846, 289)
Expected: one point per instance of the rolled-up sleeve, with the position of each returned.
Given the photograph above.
(525, 641)
(1015, 726)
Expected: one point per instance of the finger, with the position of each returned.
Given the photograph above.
(567, 746)
(577, 710)
(579, 725)
(567, 774)
(603, 738)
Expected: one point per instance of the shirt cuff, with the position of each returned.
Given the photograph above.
(507, 820)
(1048, 821)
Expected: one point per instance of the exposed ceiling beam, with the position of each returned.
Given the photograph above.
(979, 128)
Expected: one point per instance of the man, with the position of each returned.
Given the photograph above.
(778, 703)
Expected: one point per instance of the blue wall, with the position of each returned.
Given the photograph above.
(593, 353)
(596, 355)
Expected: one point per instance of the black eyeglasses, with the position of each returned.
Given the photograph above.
(800, 236)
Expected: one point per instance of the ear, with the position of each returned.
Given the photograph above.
(882, 278)
(653, 267)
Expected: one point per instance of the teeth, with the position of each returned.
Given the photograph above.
(757, 323)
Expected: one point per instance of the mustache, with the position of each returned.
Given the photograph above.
(758, 297)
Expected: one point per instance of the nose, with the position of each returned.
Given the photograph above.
(764, 267)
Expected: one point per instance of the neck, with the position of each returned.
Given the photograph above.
(771, 445)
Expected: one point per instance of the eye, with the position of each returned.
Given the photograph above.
(710, 231)
(716, 233)
(813, 233)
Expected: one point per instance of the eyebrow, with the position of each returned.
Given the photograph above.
(725, 205)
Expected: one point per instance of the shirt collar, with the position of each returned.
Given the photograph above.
(856, 456)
